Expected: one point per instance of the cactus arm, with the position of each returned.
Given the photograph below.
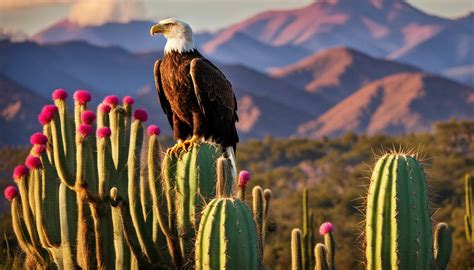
(443, 244)
(23, 185)
(122, 251)
(47, 209)
(138, 221)
(66, 133)
(258, 215)
(307, 231)
(296, 250)
(330, 251)
(469, 218)
(267, 195)
(321, 257)
(68, 224)
(468, 228)
(58, 153)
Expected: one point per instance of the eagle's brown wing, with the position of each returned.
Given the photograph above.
(216, 100)
(161, 94)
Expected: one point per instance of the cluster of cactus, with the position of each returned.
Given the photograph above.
(303, 241)
(469, 217)
(92, 202)
(398, 226)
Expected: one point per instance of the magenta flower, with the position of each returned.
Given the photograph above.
(47, 114)
(38, 138)
(103, 132)
(128, 100)
(112, 101)
(60, 94)
(244, 178)
(140, 115)
(84, 130)
(88, 117)
(82, 96)
(20, 171)
(10, 192)
(105, 108)
(39, 149)
(326, 228)
(153, 130)
(33, 162)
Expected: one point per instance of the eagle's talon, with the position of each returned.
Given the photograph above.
(189, 144)
(176, 149)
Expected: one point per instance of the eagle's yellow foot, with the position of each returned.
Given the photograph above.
(176, 149)
(189, 144)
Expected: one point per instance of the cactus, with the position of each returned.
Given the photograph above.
(398, 223)
(303, 241)
(91, 202)
(469, 217)
(228, 234)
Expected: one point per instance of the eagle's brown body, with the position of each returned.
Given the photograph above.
(196, 98)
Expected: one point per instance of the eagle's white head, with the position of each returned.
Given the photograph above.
(178, 34)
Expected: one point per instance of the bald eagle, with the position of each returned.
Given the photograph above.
(195, 95)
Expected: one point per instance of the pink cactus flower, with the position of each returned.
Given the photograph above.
(38, 138)
(60, 94)
(111, 100)
(244, 178)
(140, 115)
(103, 132)
(39, 149)
(33, 162)
(20, 171)
(88, 117)
(85, 130)
(105, 108)
(153, 130)
(128, 100)
(10, 192)
(326, 228)
(47, 114)
(82, 96)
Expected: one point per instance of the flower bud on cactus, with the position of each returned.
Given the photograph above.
(325, 228)
(38, 138)
(82, 96)
(19, 171)
(10, 192)
(111, 100)
(60, 94)
(140, 115)
(33, 162)
(85, 130)
(244, 178)
(105, 108)
(153, 130)
(103, 132)
(128, 100)
(88, 117)
(39, 149)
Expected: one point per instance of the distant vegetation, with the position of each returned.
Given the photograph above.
(336, 171)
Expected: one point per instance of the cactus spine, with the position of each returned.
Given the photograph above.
(398, 224)
(469, 217)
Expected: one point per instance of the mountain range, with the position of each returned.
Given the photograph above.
(367, 66)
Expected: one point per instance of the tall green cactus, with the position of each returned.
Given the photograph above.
(469, 217)
(228, 234)
(398, 224)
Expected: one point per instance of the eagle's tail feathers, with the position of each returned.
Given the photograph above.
(231, 154)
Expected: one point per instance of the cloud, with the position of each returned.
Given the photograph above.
(94, 12)
(14, 4)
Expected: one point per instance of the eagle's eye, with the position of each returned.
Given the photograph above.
(168, 24)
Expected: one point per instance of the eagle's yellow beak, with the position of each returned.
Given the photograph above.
(157, 28)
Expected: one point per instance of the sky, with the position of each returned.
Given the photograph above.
(32, 16)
